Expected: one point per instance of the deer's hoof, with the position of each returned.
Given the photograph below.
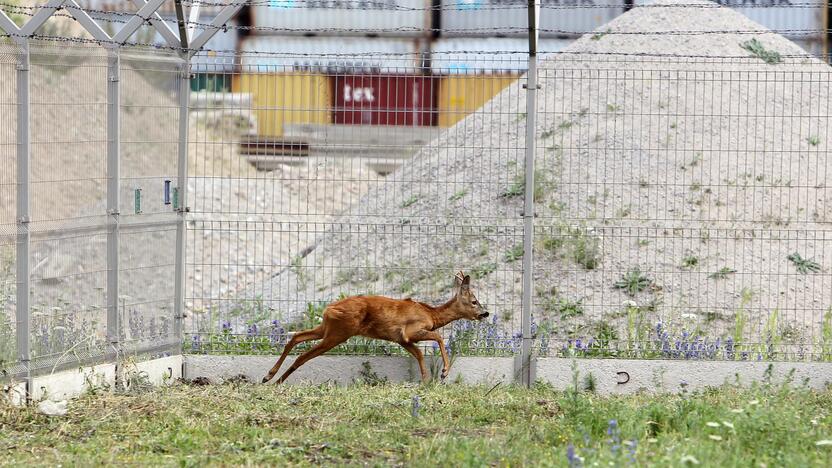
(266, 379)
(444, 375)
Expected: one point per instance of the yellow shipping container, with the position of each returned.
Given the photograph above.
(286, 98)
(463, 94)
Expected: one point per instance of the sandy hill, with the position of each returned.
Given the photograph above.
(703, 173)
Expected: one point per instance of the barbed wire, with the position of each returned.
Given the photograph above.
(512, 29)
(403, 56)
(338, 5)
(479, 30)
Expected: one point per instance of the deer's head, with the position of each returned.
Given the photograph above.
(467, 303)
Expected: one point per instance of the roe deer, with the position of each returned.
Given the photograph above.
(402, 321)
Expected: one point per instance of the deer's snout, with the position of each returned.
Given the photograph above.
(483, 315)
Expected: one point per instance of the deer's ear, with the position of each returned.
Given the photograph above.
(458, 278)
(466, 282)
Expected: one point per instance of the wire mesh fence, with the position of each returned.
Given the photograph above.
(8, 185)
(67, 192)
(679, 194)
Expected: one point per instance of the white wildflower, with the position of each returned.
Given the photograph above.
(689, 459)
(727, 424)
(712, 424)
(736, 410)
(754, 402)
(823, 442)
(715, 437)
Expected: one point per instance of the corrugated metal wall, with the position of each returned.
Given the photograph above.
(460, 95)
(392, 18)
(285, 98)
(489, 18)
(383, 100)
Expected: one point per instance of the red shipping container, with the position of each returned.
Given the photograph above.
(384, 100)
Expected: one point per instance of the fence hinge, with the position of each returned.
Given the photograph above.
(24, 220)
(22, 66)
(526, 86)
(113, 212)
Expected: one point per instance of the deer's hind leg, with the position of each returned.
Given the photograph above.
(330, 341)
(314, 334)
(417, 353)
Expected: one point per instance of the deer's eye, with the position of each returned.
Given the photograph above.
(474, 302)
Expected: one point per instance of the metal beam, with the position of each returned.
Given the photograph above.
(218, 22)
(23, 313)
(143, 15)
(6, 24)
(43, 14)
(184, 39)
(161, 25)
(86, 21)
(193, 18)
(526, 370)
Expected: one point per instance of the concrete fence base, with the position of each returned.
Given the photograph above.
(609, 376)
(72, 383)
(606, 376)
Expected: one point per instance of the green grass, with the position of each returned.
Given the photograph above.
(804, 265)
(458, 195)
(598, 36)
(587, 251)
(481, 271)
(514, 254)
(542, 185)
(584, 247)
(410, 201)
(690, 261)
(633, 282)
(758, 50)
(722, 273)
(455, 425)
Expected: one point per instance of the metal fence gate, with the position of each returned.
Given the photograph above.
(646, 190)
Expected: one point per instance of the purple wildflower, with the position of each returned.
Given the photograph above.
(571, 456)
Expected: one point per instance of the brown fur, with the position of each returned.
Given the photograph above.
(402, 321)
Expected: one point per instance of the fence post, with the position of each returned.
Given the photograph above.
(182, 169)
(113, 193)
(525, 367)
(182, 190)
(23, 273)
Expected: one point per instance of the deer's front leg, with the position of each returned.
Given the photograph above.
(425, 335)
